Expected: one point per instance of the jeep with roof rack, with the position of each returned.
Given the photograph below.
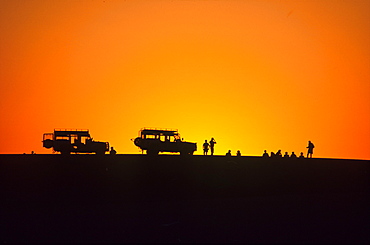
(163, 140)
(66, 141)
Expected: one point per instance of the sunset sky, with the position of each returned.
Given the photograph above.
(255, 75)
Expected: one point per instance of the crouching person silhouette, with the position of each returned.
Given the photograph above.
(112, 151)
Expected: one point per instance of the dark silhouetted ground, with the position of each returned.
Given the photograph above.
(135, 198)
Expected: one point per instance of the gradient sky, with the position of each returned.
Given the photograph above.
(254, 75)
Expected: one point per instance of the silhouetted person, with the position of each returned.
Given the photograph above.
(310, 149)
(278, 153)
(212, 146)
(205, 147)
(238, 154)
(301, 156)
(228, 154)
(294, 156)
(265, 154)
(112, 151)
(272, 155)
(286, 155)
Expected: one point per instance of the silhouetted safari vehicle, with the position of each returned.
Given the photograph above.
(68, 140)
(163, 140)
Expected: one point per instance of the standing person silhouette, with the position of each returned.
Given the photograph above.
(212, 145)
(310, 149)
(205, 147)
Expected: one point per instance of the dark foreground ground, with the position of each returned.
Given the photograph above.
(135, 198)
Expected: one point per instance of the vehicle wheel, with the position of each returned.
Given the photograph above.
(186, 153)
(100, 153)
(65, 149)
(152, 152)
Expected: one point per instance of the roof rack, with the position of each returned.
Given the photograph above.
(71, 130)
(66, 132)
(163, 131)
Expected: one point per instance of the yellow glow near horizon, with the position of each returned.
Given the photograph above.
(254, 75)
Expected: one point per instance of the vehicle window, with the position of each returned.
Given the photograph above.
(83, 139)
(74, 138)
(48, 136)
(62, 138)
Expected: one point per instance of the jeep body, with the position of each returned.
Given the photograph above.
(163, 140)
(66, 141)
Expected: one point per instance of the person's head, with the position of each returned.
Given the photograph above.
(229, 151)
(265, 151)
(111, 147)
(205, 141)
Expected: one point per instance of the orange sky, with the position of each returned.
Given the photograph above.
(254, 75)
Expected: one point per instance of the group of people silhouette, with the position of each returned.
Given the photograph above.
(293, 155)
(238, 153)
(279, 155)
(210, 145)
